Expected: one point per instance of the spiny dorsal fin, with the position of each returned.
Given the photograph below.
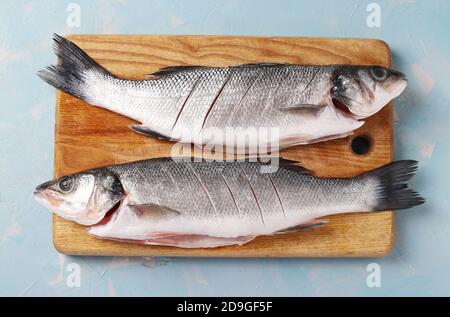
(264, 160)
(269, 160)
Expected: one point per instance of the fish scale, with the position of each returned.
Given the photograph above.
(200, 101)
(259, 97)
(230, 99)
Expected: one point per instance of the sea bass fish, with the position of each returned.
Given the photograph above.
(214, 105)
(188, 203)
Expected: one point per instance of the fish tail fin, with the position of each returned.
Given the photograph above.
(389, 187)
(75, 72)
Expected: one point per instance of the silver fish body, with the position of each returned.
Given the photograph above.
(200, 104)
(189, 203)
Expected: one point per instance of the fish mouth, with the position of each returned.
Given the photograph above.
(41, 193)
(43, 186)
(47, 200)
(401, 86)
(38, 196)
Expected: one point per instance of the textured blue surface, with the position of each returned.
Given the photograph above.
(418, 33)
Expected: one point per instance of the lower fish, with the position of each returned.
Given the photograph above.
(202, 204)
(250, 106)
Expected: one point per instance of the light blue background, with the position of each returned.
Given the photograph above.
(419, 35)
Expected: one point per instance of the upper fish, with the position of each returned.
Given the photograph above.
(228, 107)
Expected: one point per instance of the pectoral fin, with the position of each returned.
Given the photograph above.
(308, 107)
(153, 210)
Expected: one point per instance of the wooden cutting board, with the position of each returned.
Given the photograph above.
(88, 137)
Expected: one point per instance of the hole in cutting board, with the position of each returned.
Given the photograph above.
(361, 144)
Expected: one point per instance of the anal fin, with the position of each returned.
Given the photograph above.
(141, 129)
(303, 227)
(188, 241)
(198, 241)
(327, 138)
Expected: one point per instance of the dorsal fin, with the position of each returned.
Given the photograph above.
(170, 70)
(293, 165)
(283, 163)
(262, 64)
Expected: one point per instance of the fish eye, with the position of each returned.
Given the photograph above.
(65, 184)
(378, 73)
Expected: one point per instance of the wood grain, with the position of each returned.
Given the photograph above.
(88, 137)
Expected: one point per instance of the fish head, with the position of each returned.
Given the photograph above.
(83, 197)
(365, 90)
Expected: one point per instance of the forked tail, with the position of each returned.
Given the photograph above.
(389, 186)
(76, 72)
